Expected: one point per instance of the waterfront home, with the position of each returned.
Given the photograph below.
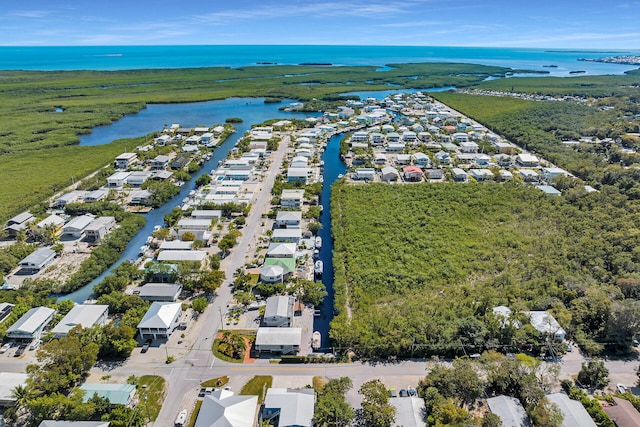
(223, 408)
(190, 149)
(31, 325)
(291, 199)
(176, 245)
(573, 413)
(298, 174)
(183, 256)
(141, 197)
(163, 140)
(546, 324)
(527, 160)
(124, 160)
(279, 311)
(160, 320)
(37, 260)
(118, 394)
(288, 219)
(238, 164)
(199, 227)
(299, 162)
(95, 196)
(377, 138)
(271, 273)
(179, 162)
(18, 222)
(86, 316)
(481, 174)
(409, 136)
(53, 221)
(286, 235)
(509, 410)
(279, 341)
(281, 250)
(136, 179)
(365, 173)
(165, 292)
(193, 140)
(207, 214)
(459, 175)
(390, 174)
(207, 139)
(289, 407)
(160, 162)
(360, 136)
(288, 265)
(76, 227)
(99, 227)
(118, 179)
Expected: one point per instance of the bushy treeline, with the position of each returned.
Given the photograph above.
(421, 267)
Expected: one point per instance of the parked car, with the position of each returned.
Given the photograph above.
(35, 344)
(20, 350)
(569, 347)
(146, 345)
(6, 347)
(621, 388)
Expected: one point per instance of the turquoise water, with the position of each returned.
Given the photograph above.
(132, 57)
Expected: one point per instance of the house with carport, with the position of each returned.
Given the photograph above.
(36, 261)
(31, 325)
(160, 320)
(279, 311)
(85, 315)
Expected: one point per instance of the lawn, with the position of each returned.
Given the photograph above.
(194, 414)
(151, 389)
(257, 386)
(216, 382)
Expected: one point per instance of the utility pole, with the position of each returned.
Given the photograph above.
(221, 319)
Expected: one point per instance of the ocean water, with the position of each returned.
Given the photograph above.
(134, 57)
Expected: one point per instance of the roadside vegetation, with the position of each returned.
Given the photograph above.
(419, 268)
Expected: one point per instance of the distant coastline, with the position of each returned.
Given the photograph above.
(622, 59)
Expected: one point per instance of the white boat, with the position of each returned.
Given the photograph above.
(143, 249)
(316, 339)
(340, 176)
(318, 268)
(157, 228)
(318, 242)
(149, 239)
(182, 418)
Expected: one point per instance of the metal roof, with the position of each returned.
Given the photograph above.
(573, 412)
(176, 245)
(160, 315)
(279, 336)
(287, 249)
(83, 315)
(509, 410)
(223, 409)
(32, 320)
(52, 423)
(160, 290)
(182, 256)
(38, 257)
(296, 406)
(280, 306)
(9, 381)
(79, 222)
(289, 216)
(118, 394)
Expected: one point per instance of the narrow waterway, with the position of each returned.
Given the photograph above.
(153, 118)
(333, 166)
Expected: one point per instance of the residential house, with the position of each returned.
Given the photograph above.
(5, 310)
(207, 214)
(412, 173)
(66, 198)
(84, 315)
(435, 173)
(160, 162)
(288, 219)
(509, 410)
(95, 196)
(409, 137)
(9, 381)
(504, 175)
(421, 160)
(160, 320)
(118, 179)
(377, 138)
(271, 273)
(469, 147)
(167, 292)
(527, 160)
(291, 199)
(288, 265)
(223, 408)
(289, 407)
(176, 245)
(53, 222)
(459, 175)
(179, 162)
(200, 228)
(546, 324)
(141, 197)
(395, 147)
(76, 227)
(482, 159)
(481, 174)
(379, 159)
(504, 147)
(573, 413)
(278, 340)
(279, 311)
(360, 136)
(443, 158)
(390, 174)
(529, 175)
(99, 227)
(368, 174)
(56, 423)
(460, 137)
(550, 173)
(124, 160)
(549, 190)
(298, 174)
(622, 413)
(393, 137)
(286, 235)
(183, 256)
(36, 261)
(118, 394)
(18, 222)
(281, 250)
(136, 179)
(207, 139)
(403, 159)
(31, 325)
(299, 162)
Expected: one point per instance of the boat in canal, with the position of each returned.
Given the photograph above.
(316, 340)
(318, 268)
(318, 242)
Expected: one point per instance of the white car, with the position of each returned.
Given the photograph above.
(621, 388)
(5, 347)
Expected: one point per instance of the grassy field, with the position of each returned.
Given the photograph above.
(151, 389)
(215, 382)
(256, 386)
(421, 266)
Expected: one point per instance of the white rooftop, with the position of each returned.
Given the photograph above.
(509, 410)
(182, 256)
(160, 315)
(32, 320)
(278, 336)
(83, 315)
(223, 409)
(573, 412)
(296, 406)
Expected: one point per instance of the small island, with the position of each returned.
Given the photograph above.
(620, 59)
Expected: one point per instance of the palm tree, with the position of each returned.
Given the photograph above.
(231, 344)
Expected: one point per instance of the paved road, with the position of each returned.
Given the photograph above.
(186, 374)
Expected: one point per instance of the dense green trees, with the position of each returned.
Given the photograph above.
(332, 410)
(308, 291)
(593, 375)
(376, 409)
(421, 267)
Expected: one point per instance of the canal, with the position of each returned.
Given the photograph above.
(154, 118)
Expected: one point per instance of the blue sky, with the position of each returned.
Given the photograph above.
(516, 23)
